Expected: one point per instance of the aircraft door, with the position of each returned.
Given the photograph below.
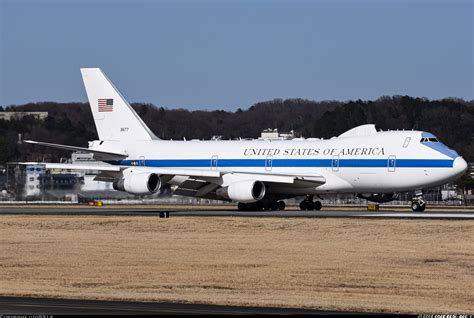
(141, 161)
(392, 163)
(214, 160)
(335, 163)
(268, 163)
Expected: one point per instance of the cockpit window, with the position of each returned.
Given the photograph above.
(429, 140)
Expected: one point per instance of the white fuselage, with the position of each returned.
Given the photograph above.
(383, 162)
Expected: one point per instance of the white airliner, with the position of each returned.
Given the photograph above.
(259, 174)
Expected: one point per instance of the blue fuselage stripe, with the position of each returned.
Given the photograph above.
(290, 163)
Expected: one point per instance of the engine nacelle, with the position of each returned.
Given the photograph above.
(243, 191)
(379, 197)
(139, 183)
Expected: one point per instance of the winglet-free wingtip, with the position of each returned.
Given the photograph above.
(86, 70)
(89, 68)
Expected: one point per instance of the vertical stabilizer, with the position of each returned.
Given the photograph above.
(114, 118)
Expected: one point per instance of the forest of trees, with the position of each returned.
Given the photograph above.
(451, 120)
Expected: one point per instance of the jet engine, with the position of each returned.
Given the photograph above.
(379, 197)
(243, 191)
(139, 183)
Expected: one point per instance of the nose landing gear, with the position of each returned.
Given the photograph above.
(418, 204)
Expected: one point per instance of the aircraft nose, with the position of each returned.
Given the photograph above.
(459, 165)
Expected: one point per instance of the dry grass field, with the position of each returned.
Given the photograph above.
(407, 266)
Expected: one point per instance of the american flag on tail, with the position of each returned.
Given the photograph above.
(106, 105)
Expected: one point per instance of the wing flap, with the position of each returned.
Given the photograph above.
(199, 189)
(177, 171)
(310, 180)
(265, 177)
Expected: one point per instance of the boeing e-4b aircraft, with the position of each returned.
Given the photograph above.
(259, 174)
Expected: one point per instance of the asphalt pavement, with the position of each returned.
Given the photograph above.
(54, 306)
(448, 214)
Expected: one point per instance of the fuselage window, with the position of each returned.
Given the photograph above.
(433, 139)
(407, 142)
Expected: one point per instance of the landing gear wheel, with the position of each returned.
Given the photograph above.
(415, 206)
(257, 206)
(274, 206)
(418, 204)
(303, 205)
(309, 204)
(242, 206)
(418, 207)
(317, 205)
(281, 205)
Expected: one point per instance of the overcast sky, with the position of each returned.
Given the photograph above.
(230, 54)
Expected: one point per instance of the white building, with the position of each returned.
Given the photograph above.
(34, 175)
(19, 115)
(273, 134)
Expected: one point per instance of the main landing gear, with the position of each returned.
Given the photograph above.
(418, 204)
(275, 205)
(309, 204)
(259, 206)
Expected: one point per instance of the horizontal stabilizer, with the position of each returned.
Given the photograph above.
(68, 166)
(98, 154)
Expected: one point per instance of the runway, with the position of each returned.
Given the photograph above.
(27, 305)
(146, 211)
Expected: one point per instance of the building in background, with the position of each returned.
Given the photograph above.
(273, 134)
(20, 115)
(34, 175)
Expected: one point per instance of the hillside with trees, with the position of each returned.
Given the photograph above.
(451, 120)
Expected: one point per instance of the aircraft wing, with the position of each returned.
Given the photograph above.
(311, 180)
(114, 168)
(201, 183)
